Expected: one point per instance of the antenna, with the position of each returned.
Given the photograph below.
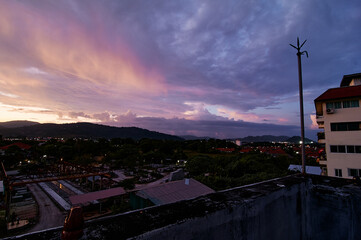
(299, 47)
(299, 54)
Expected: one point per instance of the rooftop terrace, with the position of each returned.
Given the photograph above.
(293, 207)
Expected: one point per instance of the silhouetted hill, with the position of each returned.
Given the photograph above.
(297, 139)
(265, 138)
(191, 137)
(16, 124)
(83, 130)
(271, 138)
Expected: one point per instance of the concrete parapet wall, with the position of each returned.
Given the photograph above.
(293, 207)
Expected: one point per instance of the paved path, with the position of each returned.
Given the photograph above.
(50, 215)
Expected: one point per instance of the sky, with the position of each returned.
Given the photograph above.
(221, 69)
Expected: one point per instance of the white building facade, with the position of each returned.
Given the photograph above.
(338, 112)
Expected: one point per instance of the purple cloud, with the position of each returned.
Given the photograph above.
(191, 66)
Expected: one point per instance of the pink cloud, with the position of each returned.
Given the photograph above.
(314, 124)
(283, 120)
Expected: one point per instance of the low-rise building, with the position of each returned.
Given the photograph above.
(169, 192)
(338, 113)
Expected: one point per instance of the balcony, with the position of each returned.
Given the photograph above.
(321, 137)
(320, 121)
(319, 118)
(323, 162)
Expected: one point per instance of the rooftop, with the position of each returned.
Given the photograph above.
(92, 196)
(340, 93)
(18, 144)
(292, 207)
(175, 191)
(348, 78)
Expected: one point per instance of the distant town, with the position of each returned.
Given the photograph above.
(109, 176)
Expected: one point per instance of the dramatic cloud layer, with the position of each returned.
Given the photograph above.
(207, 68)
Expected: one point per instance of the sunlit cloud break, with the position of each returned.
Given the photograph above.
(165, 64)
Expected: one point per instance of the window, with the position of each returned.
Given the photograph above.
(337, 105)
(346, 126)
(350, 149)
(333, 148)
(344, 149)
(341, 149)
(329, 105)
(338, 172)
(342, 127)
(343, 104)
(354, 103)
(350, 104)
(353, 126)
(358, 149)
(352, 172)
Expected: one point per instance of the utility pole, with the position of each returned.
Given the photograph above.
(299, 53)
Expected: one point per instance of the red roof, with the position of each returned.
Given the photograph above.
(341, 92)
(89, 197)
(246, 150)
(272, 150)
(18, 144)
(226, 149)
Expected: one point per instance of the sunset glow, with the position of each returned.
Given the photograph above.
(179, 67)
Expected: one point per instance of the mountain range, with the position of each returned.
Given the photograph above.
(91, 130)
(271, 138)
(77, 130)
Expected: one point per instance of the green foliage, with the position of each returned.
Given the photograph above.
(84, 159)
(204, 162)
(199, 164)
(3, 230)
(128, 184)
(226, 172)
(120, 207)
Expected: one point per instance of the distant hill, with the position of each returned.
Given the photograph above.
(265, 138)
(271, 138)
(83, 130)
(297, 139)
(16, 124)
(191, 137)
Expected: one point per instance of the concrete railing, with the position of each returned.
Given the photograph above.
(293, 207)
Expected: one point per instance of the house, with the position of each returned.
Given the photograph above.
(92, 197)
(169, 192)
(226, 150)
(20, 145)
(314, 170)
(338, 113)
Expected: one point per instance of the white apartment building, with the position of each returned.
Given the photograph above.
(338, 112)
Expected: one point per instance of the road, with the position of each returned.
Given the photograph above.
(49, 214)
